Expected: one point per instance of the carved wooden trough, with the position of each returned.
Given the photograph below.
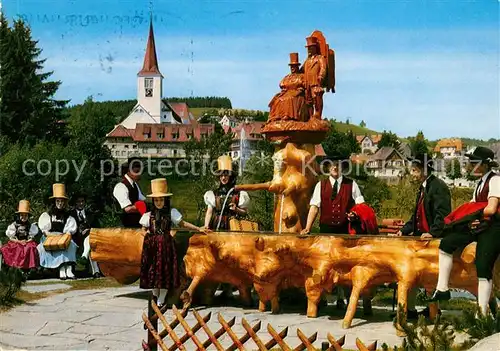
(270, 263)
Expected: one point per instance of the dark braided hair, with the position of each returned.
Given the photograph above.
(224, 188)
(58, 213)
(161, 220)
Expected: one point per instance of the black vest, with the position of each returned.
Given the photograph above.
(130, 220)
(57, 224)
(22, 230)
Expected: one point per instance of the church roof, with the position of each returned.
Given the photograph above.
(150, 65)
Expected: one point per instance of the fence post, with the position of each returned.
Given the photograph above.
(151, 340)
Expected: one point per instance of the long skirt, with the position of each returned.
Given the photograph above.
(159, 263)
(20, 256)
(53, 259)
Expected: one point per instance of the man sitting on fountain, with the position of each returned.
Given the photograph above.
(484, 232)
(433, 204)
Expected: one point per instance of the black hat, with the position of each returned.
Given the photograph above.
(422, 161)
(483, 154)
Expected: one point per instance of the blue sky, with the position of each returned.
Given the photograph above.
(401, 65)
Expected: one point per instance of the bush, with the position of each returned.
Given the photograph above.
(10, 283)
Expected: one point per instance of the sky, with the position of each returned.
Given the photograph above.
(401, 65)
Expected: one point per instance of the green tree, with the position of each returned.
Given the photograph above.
(453, 168)
(362, 124)
(419, 145)
(340, 145)
(388, 139)
(28, 108)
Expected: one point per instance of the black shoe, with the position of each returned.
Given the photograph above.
(341, 304)
(440, 296)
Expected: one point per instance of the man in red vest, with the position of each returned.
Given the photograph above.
(433, 204)
(485, 231)
(333, 198)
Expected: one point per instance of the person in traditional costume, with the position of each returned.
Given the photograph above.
(224, 202)
(334, 198)
(433, 204)
(57, 221)
(85, 220)
(484, 231)
(159, 269)
(20, 251)
(129, 196)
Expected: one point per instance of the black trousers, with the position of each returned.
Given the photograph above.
(487, 250)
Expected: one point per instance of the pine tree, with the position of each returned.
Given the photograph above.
(28, 108)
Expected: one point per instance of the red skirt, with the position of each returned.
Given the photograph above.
(20, 256)
(159, 263)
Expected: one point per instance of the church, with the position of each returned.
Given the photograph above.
(154, 128)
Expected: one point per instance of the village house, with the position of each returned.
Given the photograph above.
(154, 128)
(449, 148)
(368, 143)
(388, 164)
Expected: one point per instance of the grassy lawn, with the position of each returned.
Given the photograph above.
(356, 129)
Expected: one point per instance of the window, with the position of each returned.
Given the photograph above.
(159, 135)
(147, 135)
(113, 146)
(134, 146)
(175, 134)
(126, 146)
(148, 87)
(175, 153)
(123, 153)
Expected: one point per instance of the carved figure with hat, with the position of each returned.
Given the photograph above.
(290, 102)
(159, 269)
(57, 249)
(317, 73)
(483, 230)
(21, 251)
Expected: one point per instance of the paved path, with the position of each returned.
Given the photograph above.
(110, 319)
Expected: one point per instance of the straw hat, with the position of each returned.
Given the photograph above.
(23, 207)
(58, 191)
(159, 188)
(224, 163)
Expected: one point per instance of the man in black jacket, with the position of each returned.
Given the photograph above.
(85, 220)
(433, 204)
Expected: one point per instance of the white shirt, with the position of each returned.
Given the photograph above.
(243, 202)
(81, 212)
(44, 223)
(11, 231)
(120, 192)
(356, 192)
(494, 190)
(174, 215)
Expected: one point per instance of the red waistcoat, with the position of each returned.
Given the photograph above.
(334, 212)
(422, 225)
(483, 195)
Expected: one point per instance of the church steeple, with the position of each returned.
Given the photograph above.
(150, 66)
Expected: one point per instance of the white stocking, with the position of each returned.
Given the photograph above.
(94, 266)
(484, 293)
(161, 297)
(62, 271)
(86, 247)
(69, 271)
(445, 266)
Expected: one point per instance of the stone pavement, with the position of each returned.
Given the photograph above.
(110, 319)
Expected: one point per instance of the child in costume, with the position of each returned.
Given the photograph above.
(159, 269)
(20, 251)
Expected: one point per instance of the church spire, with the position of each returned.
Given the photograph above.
(150, 65)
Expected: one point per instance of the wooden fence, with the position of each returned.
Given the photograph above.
(156, 337)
